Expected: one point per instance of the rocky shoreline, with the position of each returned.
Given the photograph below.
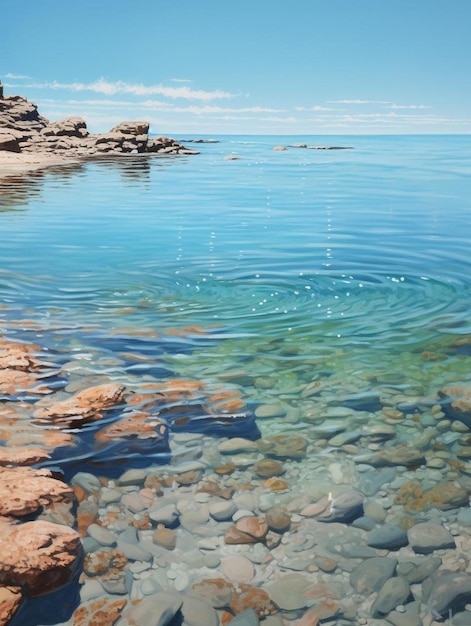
(30, 141)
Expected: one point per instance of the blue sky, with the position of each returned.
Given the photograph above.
(244, 66)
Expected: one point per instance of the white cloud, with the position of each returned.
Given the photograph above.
(358, 102)
(181, 80)
(316, 108)
(408, 106)
(120, 87)
(17, 76)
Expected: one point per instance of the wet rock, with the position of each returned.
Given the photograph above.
(255, 527)
(217, 591)
(165, 537)
(22, 456)
(24, 491)
(456, 402)
(387, 537)
(394, 592)
(234, 536)
(283, 446)
(84, 407)
(393, 456)
(246, 618)
(237, 568)
(39, 555)
(278, 520)
(166, 514)
(246, 596)
(417, 570)
(102, 535)
(10, 601)
(344, 508)
(198, 612)
(102, 562)
(447, 591)
(134, 428)
(426, 537)
(267, 468)
(287, 593)
(158, 609)
(371, 575)
(236, 445)
(222, 511)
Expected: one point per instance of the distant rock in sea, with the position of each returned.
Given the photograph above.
(24, 130)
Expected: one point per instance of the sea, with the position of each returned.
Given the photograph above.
(259, 270)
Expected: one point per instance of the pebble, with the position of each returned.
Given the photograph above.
(237, 568)
(387, 537)
(132, 477)
(158, 609)
(166, 514)
(88, 482)
(224, 510)
(267, 411)
(102, 535)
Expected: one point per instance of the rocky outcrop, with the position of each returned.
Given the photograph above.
(23, 129)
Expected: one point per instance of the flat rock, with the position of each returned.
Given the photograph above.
(24, 491)
(287, 593)
(447, 591)
(394, 592)
(99, 612)
(426, 537)
(158, 609)
(39, 555)
(371, 575)
(22, 456)
(237, 568)
(217, 591)
(418, 569)
(387, 537)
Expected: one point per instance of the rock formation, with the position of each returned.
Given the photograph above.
(23, 129)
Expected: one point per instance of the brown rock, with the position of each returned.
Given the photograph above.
(457, 402)
(24, 490)
(215, 489)
(276, 484)
(283, 446)
(131, 128)
(39, 555)
(104, 562)
(9, 142)
(267, 468)
(134, 426)
(22, 456)
(18, 356)
(255, 527)
(278, 520)
(12, 381)
(10, 600)
(83, 407)
(217, 591)
(235, 536)
(165, 537)
(248, 597)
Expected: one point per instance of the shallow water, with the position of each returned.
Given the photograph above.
(265, 273)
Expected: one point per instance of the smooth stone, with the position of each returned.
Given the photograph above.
(132, 477)
(375, 511)
(345, 438)
(88, 482)
(133, 502)
(371, 481)
(328, 428)
(109, 496)
(104, 536)
(237, 444)
(418, 569)
(212, 560)
(409, 616)
(278, 520)
(371, 575)
(447, 591)
(115, 585)
(394, 592)
(158, 609)
(267, 411)
(198, 612)
(223, 511)
(134, 552)
(267, 468)
(237, 568)
(287, 593)
(364, 522)
(387, 537)
(464, 517)
(344, 508)
(166, 514)
(246, 618)
(426, 537)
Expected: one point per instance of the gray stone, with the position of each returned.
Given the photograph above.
(371, 575)
(464, 517)
(158, 609)
(104, 536)
(409, 616)
(387, 537)
(364, 522)
(132, 477)
(287, 592)
(427, 537)
(166, 514)
(447, 591)
(134, 552)
(88, 482)
(134, 502)
(222, 511)
(198, 612)
(394, 592)
(344, 508)
(417, 570)
(246, 618)
(372, 481)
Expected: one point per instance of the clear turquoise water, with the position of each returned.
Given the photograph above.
(296, 262)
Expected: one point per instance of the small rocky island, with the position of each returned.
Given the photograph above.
(24, 131)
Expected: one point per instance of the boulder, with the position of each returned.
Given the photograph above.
(9, 143)
(22, 456)
(10, 600)
(83, 407)
(24, 491)
(39, 555)
(131, 128)
(70, 127)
